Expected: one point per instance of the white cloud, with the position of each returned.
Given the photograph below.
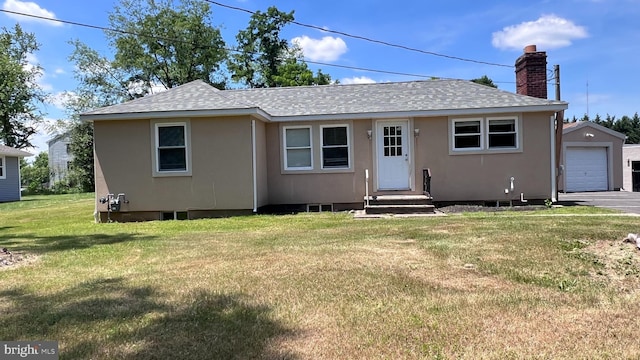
(357, 80)
(326, 49)
(31, 8)
(548, 32)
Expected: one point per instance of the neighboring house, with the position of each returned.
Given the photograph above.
(195, 151)
(591, 158)
(59, 157)
(10, 173)
(631, 167)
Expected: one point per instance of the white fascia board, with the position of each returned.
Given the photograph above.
(596, 127)
(421, 113)
(19, 154)
(259, 113)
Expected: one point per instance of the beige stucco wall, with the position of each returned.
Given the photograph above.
(459, 177)
(485, 176)
(630, 153)
(318, 186)
(222, 171)
(222, 167)
(577, 138)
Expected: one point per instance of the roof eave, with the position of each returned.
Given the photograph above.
(22, 154)
(424, 113)
(261, 114)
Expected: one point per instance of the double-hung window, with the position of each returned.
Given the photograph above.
(3, 174)
(335, 147)
(502, 133)
(171, 147)
(497, 134)
(297, 148)
(467, 134)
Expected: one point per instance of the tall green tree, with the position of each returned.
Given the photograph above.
(35, 177)
(264, 59)
(162, 45)
(485, 80)
(19, 91)
(260, 49)
(81, 173)
(155, 45)
(293, 71)
(100, 84)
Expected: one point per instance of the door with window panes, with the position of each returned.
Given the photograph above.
(393, 155)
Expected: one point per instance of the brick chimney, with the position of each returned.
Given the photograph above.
(531, 73)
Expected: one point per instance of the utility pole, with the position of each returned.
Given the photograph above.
(556, 75)
(559, 128)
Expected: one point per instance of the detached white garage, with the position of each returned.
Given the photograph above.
(592, 158)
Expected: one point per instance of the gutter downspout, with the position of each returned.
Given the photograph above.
(554, 145)
(254, 165)
(559, 129)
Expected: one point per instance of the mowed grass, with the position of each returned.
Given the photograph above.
(551, 284)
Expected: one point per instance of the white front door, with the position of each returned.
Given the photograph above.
(392, 147)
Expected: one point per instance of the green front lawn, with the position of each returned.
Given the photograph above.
(549, 284)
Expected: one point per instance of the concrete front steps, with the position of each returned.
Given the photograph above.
(399, 204)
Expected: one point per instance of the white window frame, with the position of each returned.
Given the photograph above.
(481, 134)
(515, 133)
(3, 167)
(187, 147)
(484, 136)
(347, 145)
(285, 148)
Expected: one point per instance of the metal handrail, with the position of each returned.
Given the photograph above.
(426, 181)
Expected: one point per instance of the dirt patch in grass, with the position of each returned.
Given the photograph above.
(12, 259)
(619, 264)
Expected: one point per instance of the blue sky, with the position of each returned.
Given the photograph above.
(595, 42)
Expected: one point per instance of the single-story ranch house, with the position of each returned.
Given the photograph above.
(195, 151)
(10, 173)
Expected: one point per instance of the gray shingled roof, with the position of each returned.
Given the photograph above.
(193, 96)
(290, 102)
(9, 151)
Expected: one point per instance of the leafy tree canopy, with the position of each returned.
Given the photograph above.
(485, 80)
(19, 92)
(158, 44)
(35, 176)
(264, 59)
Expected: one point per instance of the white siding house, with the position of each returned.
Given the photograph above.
(59, 157)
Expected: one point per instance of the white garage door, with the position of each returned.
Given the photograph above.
(586, 169)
